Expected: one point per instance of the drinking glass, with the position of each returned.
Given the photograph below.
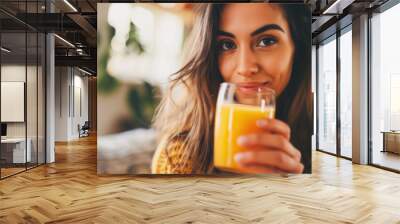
(238, 109)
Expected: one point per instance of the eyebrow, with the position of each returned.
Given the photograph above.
(257, 31)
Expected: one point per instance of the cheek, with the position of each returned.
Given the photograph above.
(279, 67)
(226, 67)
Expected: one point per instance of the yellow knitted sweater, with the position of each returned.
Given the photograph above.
(167, 160)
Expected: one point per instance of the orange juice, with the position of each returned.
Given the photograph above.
(232, 121)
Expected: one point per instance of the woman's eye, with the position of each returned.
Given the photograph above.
(265, 42)
(226, 45)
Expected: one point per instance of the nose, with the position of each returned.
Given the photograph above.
(247, 62)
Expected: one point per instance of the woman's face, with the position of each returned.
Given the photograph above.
(255, 48)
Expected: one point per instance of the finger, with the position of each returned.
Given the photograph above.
(270, 141)
(297, 158)
(275, 126)
(275, 159)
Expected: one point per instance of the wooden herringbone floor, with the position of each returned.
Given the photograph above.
(69, 191)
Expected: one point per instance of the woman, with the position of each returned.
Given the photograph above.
(255, 45)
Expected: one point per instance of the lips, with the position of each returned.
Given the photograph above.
(251, 87)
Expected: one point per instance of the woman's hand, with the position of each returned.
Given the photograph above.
(269, 151)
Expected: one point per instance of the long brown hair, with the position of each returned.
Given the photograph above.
(190, 118)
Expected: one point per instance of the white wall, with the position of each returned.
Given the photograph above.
(16, 73)
(33, 126)
(11, 73)
(71, 87)
(80, 83)
(62, 81)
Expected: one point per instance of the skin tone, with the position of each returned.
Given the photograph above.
(255, 51)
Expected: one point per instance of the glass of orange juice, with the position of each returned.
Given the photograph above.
(238, 109)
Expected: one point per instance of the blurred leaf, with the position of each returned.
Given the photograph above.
(143, 101)
(133, 40)
(106, 83)
(111, 33)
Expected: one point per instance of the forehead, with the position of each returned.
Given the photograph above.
(242, 17)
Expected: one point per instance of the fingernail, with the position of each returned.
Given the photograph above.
(261, 123)
(242, 140)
